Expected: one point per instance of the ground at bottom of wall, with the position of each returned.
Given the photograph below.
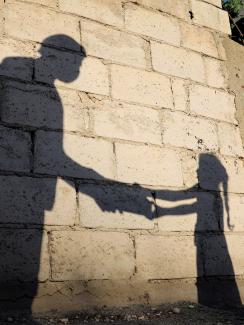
(181, 313)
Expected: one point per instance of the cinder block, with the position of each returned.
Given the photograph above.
(189, 163)
(15, 150)
(212, 103)
(230, 140)
(85, 255)
(177, 62)
(24, 255)
(73, 71)
(215, 172)
(186, 211)
(128, 122)
(209, 16)
(178, 8)
(162, 257)
(16, 59)
(117, 206)
(152, 24)
(26, 200)
(224, 255)
(105, 42)
(235, 212)
(143, 87)
(146, 165)
(216, 73)
(180, 93)
(66, 154)
(40, 23)
(39, 106)
(199, 39)
(184, 131)
(107, 11)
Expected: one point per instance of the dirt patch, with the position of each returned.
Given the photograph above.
(183, 313)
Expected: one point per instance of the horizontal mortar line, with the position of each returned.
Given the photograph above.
(109, 63)
(150, 38)
(106, 182)
(57, 10)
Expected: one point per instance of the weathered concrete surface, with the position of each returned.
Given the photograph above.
(121, 160)
(235, 68)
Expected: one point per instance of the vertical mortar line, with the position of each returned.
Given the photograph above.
(172, 92)
(109, 68)
(132, 236)
(32, 149)
(148, 54)
(123, 13)
(49, 249)
(115, 162)
(160, 113)
(80, 31)
(187, 89)
(77, 210)
(216, 125)
(205, 70)
(154, 196)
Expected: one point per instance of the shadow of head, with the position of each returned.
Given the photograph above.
(211, 173)
(57, 63)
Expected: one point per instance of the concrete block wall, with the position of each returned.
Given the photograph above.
(121, 162)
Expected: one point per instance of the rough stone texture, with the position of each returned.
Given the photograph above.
(73, 155)
(186, 211)
(189, 163)
(116, 207)
(216, 259)
(177, 62)
(199, 39)
(236, 205)
(212, 103)
(85, 255)
(16, 59)
(15, 150)
(107, 43)
(178, 8)
(149, 23)
(128, 122)
(106, 11)
(18, 206)
(86, 74)
(215, 73)
(19, 24)
(235, 68)
(39, 106)
(121, 159)
(180, 93)
(230, 140)
(141, 86)
(173, 257)
(192, 133)
(210, 16)
(145, 165)
(214, 171)
(24, 255)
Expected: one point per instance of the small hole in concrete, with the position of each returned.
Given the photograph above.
(191, 14)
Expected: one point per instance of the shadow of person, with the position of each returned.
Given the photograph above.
(216, 285)
(26, 196)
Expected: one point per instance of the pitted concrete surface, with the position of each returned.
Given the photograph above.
(182, 313)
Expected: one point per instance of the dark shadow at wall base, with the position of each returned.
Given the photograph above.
(218, 293)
